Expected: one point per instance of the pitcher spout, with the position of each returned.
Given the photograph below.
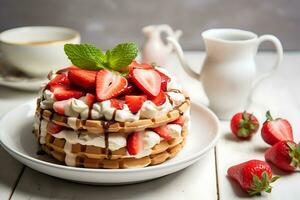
(180, 55)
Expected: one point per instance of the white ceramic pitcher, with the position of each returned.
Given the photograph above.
(154, 49)
(229, 70)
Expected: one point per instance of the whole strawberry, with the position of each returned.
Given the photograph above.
(285, 155)
(254, 176)
(244, 125)
(275, 130)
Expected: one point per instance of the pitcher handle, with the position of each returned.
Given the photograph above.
(182, 59)
(279, 52)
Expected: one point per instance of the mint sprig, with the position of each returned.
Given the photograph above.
(87, 56)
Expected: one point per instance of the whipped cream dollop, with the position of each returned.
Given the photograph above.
(48, 100)
(115, 141)
(150, 110)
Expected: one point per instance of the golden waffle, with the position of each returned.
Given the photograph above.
(96, 157)
(97, 126)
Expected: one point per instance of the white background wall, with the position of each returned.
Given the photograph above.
(106, 22)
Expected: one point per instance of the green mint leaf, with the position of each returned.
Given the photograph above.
(122, 55)
(85, 56)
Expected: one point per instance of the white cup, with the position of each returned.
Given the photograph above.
(35, 50)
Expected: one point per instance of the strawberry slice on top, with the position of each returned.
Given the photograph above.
(60, 79)
(135, 65)
(65, 92)
(160, 99)
(164, 80)
(117, 104)
(148, 80)
(90, 99)
(109, 85)
(135, 102)
(84, 79)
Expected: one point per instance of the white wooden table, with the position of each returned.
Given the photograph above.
(204, 180)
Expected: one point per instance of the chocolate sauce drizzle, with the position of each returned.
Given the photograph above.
(105, 125)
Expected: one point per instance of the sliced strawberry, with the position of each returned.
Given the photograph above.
(164, 80)
(130, 89)
(134, 143)
(117, 104)
(66, 69)
(60, 79)
(134, 102)
(109, 85)
(63, 93)
(135, 65)
(148, 80)
(163, 132)
(85, 79)
(90, 99)
(53, 128)
(160, 99)
(180, 121)
(59, 106)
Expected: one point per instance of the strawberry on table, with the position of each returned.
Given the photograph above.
(160, 99)
(244, 125)
(163, 132)
(117, 104)
(275, 130)
(134, 143)
(85, 79)
(65, 92)
(135, 102)
(148, 80)
(109, 85)
(285, 155)
(53, 128)
(254, 176)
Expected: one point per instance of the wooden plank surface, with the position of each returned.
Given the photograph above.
(196, 181)
(10, 169)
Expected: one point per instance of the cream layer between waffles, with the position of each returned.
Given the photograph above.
(122, 147)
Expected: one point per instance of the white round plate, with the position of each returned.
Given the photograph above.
(17, 138)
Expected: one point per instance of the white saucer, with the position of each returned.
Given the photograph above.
(17, 139)
(13, 78)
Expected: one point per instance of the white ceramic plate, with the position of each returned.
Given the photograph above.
(17, 139)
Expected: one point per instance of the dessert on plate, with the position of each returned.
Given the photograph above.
(109, 111)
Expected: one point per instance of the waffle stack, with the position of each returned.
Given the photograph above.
(110, 111)
(89, 156)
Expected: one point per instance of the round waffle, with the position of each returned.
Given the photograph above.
(96, 157)
(101, 126)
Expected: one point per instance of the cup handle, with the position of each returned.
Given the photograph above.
(279, 52)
